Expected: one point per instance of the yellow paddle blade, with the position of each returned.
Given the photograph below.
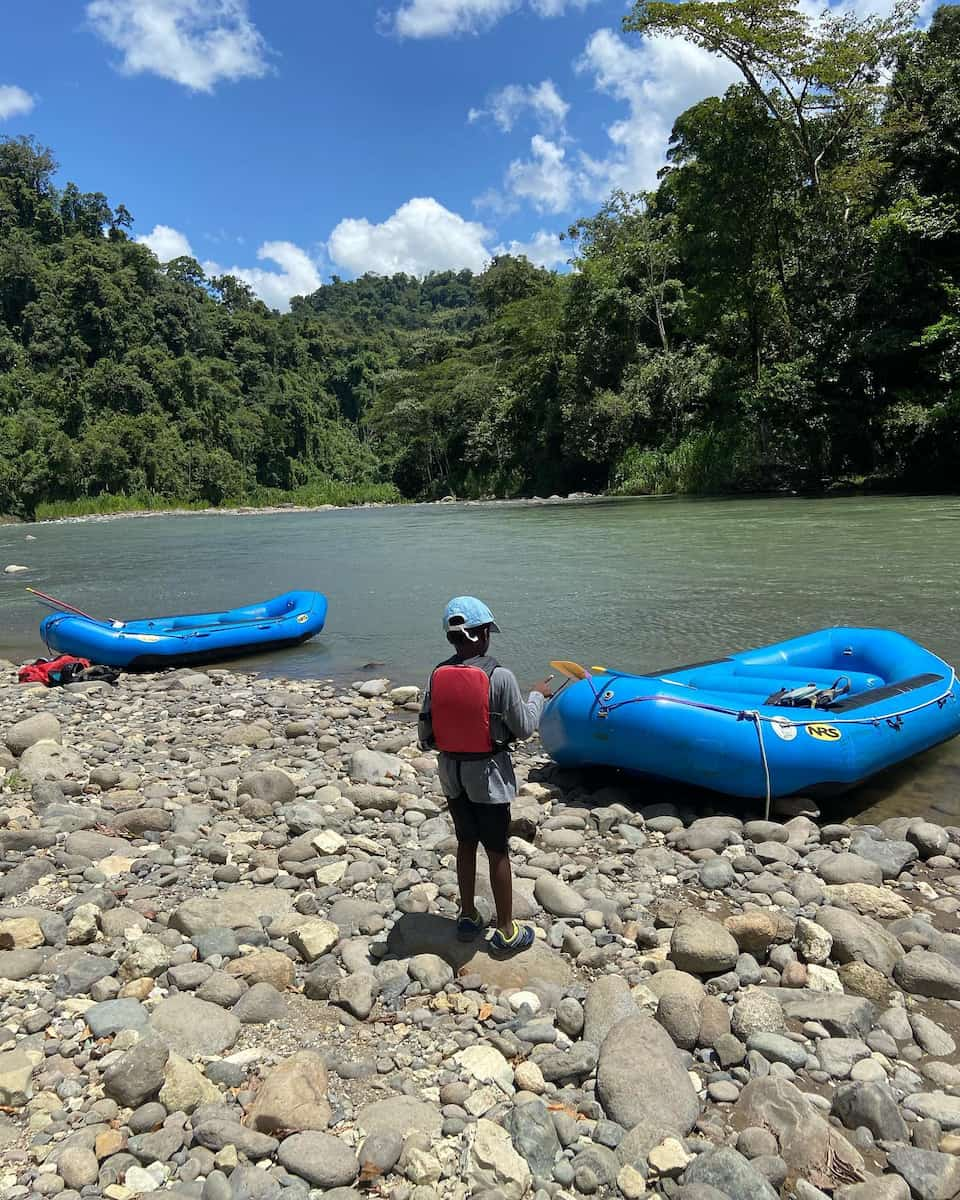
(599, 670)
(572, 670)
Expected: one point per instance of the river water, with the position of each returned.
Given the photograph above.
(640, 584)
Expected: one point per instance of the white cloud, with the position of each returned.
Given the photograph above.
(440, 18)
(196, 43)
(421, 236)
(498, 203)
(14, 101)
(546, 179)
(298, 274)
(544, 249)
(658, 79)
(167, 243)
(543, 100)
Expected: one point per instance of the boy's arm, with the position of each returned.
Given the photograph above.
(425, 722)
(521, 717)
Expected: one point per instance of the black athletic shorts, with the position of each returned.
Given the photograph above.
(488, 824)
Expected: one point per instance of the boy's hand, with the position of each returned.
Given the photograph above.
(544, 687)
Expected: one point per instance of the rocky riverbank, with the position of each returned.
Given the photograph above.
(267, 510)
(228, 972)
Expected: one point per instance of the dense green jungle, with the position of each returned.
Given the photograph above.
(781, 313)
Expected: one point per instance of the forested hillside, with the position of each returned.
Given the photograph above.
(783, 311)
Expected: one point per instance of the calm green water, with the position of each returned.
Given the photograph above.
(641, 584)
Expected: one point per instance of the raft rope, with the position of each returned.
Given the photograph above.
(767, 781)
(743, 714)
(120, 627)
(894, 720)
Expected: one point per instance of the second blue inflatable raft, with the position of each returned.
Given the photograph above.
(157, 642)
(734, 725)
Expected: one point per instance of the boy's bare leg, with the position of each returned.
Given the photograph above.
(467, 877)
(501, 884)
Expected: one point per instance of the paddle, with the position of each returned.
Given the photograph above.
(52, 600)
(571, 670)
(576, 672)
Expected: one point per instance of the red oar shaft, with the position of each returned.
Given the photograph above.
(59, 603)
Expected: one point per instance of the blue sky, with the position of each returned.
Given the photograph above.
(287, 140)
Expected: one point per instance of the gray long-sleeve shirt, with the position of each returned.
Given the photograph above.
(489, 780)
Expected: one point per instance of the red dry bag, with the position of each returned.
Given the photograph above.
(460, 707)
(52, 672)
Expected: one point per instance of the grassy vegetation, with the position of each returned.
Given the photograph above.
(310, 495)
(702, 464)
(104, 505)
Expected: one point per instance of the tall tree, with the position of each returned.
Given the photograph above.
(821, 78)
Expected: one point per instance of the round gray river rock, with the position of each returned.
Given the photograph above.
(730, 1173)
(557, 897)
(608, 1002)
(926, 974)
(931, 1175)
(319, 1158)
(641, 1080)
(872, 1105)
(892, 857)
(194, 1027)
(44, 727)
(701, 946)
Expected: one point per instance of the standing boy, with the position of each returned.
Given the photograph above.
(471, 713)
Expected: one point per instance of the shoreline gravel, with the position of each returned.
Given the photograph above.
(228, 971)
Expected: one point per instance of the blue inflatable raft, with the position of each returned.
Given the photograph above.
(814, 715)
(147, 645)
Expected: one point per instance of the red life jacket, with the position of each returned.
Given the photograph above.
(460, 708)
(49, 672)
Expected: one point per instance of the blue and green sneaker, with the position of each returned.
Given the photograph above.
(521, 938)
(469, 928)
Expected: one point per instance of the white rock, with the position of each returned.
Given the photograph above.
(16, 1068)
(823, 979)
(20, 933)
(115, 864)
(138, 1179)
(479, 1103)
(83, 927)
(185, 1087)
(404, 695)
(331, 873)
(631, 1183)
(420, 1167)
(868, 1070)
(518, 999)
(14, 569)
(813, 941)
(529, 1078)
(328, 841)
(493, 1164)
(669, 1158)
(486, 1064)
(373, 688)
(314, 938)
(373, 766)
